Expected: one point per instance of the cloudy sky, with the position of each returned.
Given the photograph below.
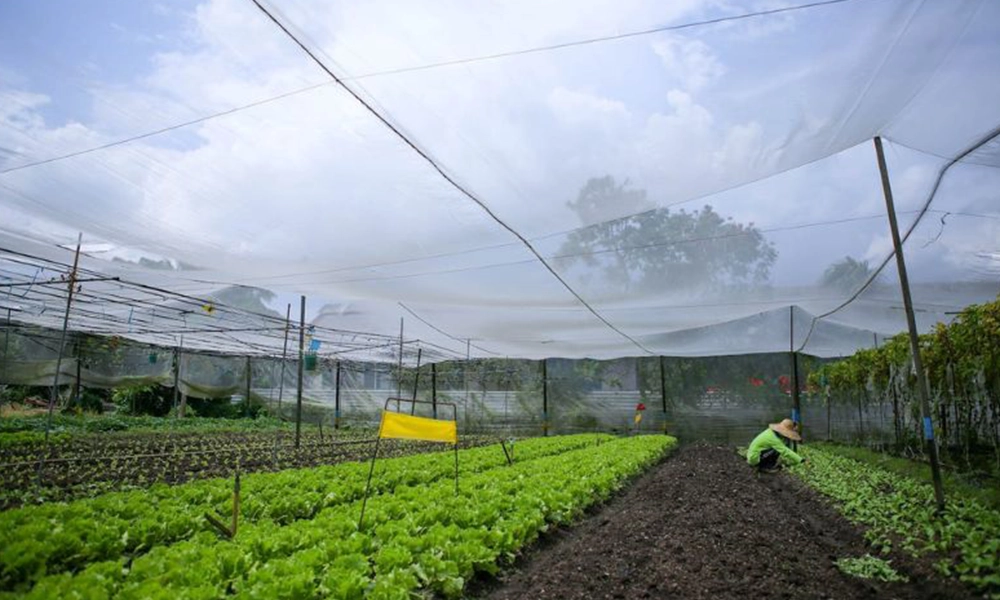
(249, 163)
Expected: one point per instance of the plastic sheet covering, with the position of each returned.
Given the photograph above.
(531, 180)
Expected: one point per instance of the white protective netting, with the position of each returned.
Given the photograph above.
(549, 196)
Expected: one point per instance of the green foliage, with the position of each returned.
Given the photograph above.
(900, 510)
(301, 538)
(962, 364)
(847, 274)
(17, 394)
(149, 399)
(959, 483)
(659, 249)
(869, 567)
(90, 401)
(214, 408)
(90, 424)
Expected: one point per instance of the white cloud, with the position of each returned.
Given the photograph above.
(573, 108)
(691, 63)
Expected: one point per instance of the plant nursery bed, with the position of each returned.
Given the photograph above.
(702, 524)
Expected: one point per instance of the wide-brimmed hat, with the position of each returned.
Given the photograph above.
(786, 428)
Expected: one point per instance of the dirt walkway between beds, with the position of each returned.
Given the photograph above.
(701, 524)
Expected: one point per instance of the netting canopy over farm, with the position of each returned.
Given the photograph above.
(523, 179)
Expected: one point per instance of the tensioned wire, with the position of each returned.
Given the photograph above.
(906, 236)
(440, 170)
(524, 241)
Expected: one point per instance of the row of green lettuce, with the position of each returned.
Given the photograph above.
(41, 540)
(84, 424)
(421, 539)
(964, 540)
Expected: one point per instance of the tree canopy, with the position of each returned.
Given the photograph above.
(657, 248)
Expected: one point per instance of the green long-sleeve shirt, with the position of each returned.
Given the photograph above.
(769, 439)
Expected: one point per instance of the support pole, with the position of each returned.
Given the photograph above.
(249, 381)
(62, 340)
(796, 400)
(545, 397)
(76, 383)
(368, 485)
(336, 401)
(465, 378)
(399, 372)
(6, 348)
(434, 390)
(911, 323)
(177, 371)
(663, 391)
(284, 355)
(298, 393)
(416, 380)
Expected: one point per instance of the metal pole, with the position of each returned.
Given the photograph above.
(416, 381)
(465, 377)
(6, 347)
(911, 323)
(663, 392)
(76, 384)
(796, 400)
(62, 339)
(298, 393)
(399, 373)
(284, 354)
(368, 486)
(434, 391)
(177, 371)
(336, 401)
(545, 397)
(249, 376)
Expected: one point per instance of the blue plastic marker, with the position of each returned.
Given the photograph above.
(928, 429)
(795, 415)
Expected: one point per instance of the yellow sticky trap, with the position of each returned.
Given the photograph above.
(638, 417)
(407, 427)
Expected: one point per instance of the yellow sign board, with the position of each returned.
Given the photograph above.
(407, 427)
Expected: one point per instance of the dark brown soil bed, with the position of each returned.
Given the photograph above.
(702, 524)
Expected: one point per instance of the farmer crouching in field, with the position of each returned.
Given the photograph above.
(771, 449)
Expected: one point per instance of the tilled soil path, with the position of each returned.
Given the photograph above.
(702, 524)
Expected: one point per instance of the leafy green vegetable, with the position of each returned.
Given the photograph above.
(869, 567)
(894, 507)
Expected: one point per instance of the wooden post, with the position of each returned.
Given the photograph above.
(545, 397)
(298, 394)
(911, 323)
